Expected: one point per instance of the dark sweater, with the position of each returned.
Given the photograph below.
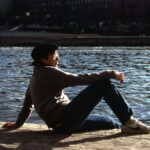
(45, 91)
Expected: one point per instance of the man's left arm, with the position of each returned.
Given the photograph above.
(26, 109)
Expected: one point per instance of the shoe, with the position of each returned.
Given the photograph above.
(134, 126)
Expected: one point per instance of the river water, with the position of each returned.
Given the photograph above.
(16, 70)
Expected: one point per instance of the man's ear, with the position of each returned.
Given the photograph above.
(44, 61)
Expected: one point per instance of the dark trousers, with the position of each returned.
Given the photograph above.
(76, 115)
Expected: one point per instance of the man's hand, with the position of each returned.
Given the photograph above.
(119, 76)
(11, 125)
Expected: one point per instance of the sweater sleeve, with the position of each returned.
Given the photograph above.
(26, 109)
(68, 79)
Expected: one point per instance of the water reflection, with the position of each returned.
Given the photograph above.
(15, 71)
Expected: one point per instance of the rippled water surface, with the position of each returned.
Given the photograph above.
(15, 72)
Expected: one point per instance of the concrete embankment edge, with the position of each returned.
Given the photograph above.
(39, 137)
(62, 39)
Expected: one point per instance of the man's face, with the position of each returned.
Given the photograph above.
(52, 60)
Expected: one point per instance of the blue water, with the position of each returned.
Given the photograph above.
(15, 72)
